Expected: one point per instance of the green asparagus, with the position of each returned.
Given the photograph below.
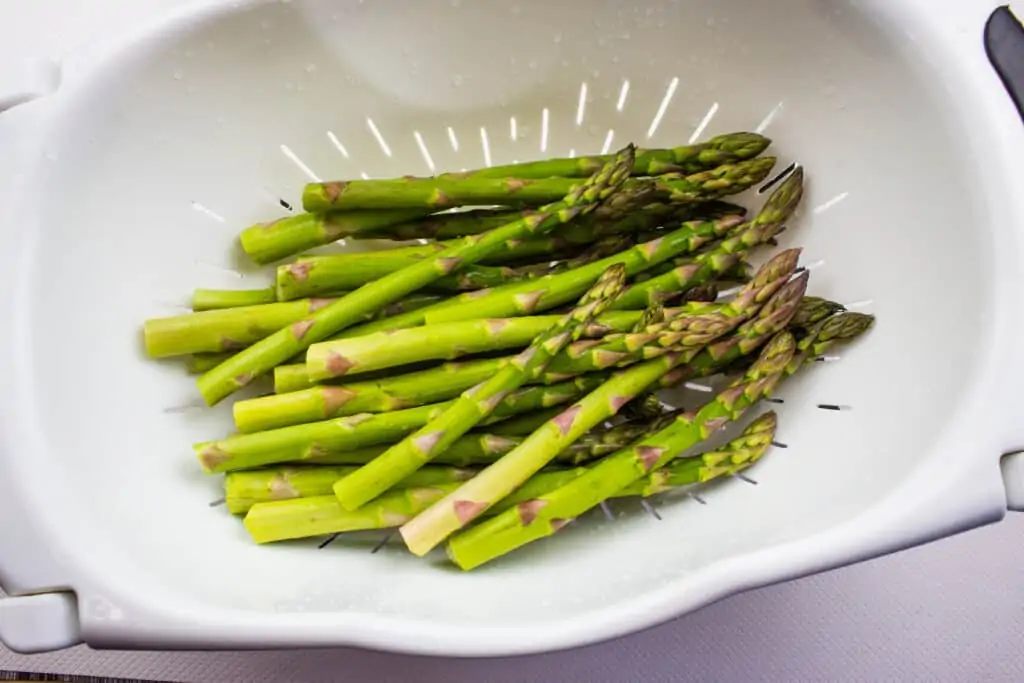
(478, 402)
(303, 442)
(769, 222)
(495, 482)
(720, 150)
(225, 329)
(268, 242)
(545, 515)
(446, 192)
(216, 299)
(260, 358)
(347, 357)
(244, 489)
(321, 514)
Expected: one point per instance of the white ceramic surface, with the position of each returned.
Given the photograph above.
(106, 173)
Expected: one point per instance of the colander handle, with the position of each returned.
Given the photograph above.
(1004, 45)
(27, 80)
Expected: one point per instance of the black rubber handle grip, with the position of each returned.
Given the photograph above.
(1004, 45)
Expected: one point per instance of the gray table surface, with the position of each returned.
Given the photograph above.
(951, 611)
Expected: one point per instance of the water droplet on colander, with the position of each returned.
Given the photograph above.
(289, 86)
(188, 53)
(516, 9)
(265, 24)
(829, 90)
(458, 80)
(558, 38)
(178, 75)
(710, 21)
(51, 155)
(310, 68)
(533, 64)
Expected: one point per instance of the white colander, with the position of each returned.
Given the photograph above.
(126, 180)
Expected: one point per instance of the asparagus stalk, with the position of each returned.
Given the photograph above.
(374, 396)
(628, 215)
(242, 490)
(445, 192)
(202, 362)
(546, 514)
(223, 330)
(720, 150)
(308, 441)
(478, 402)
(458, 509)
(736, 456)
(346, 357)
(813, 326)
(554, 290)
(543, 516)
(769, 222)
(321, 514)
(257, 360)
(483, 448)
(618, 350)
(284, 237)
(216, 299)
(246, 488)
(310, 276)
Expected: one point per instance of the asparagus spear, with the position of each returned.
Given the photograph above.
(734, 457)
(304, 442)
(720, 150)
(543, 516)
(201, 362)
(458, 509)
(769, 222)
(483, 448)
(275, 240)
(223, 330)
(322, 514)
(731, 355)
(546, 514)
(445, 192)
(260, 358)
(554, 290)
(244, 489)
(374, 396)
(309, 277)
(216, 299)
(478, 402)
(346, 357)
(628, 215)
